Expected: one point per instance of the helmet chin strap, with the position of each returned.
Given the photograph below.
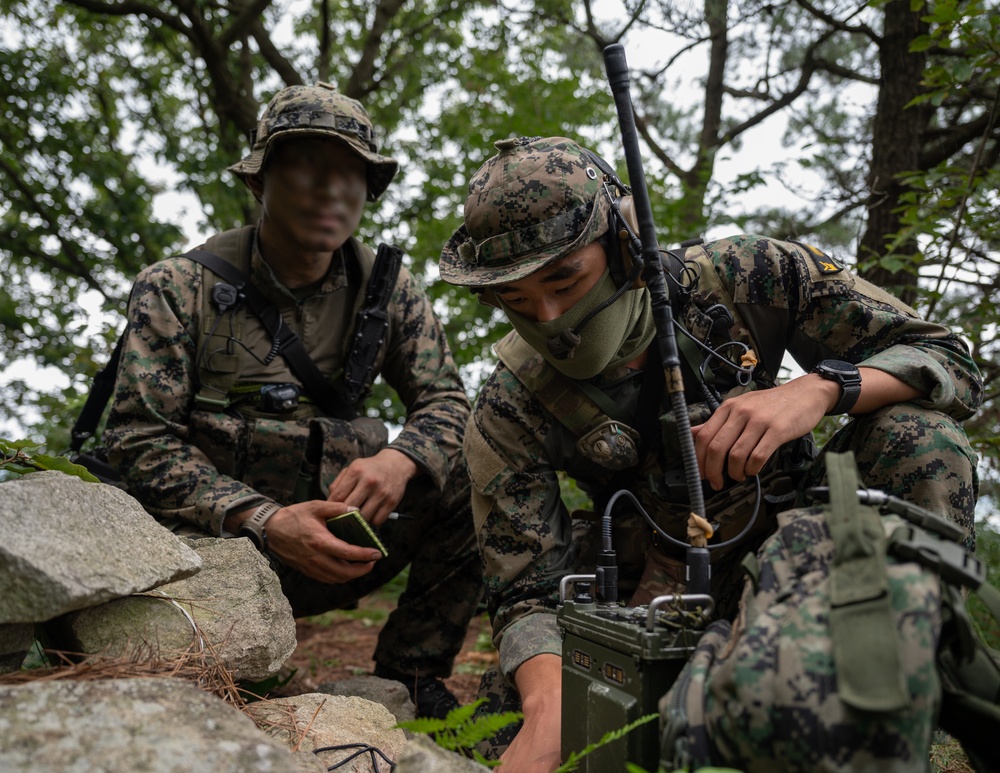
(563, 345)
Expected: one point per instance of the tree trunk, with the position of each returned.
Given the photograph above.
(897, 139)
(695, 182)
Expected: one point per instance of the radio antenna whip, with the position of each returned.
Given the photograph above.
(618, 77)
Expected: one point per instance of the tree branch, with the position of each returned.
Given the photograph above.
(132, 8)
(842, 26)
(78, 266)
(364, 70)
(643, 126)
(950, 142)
(808, 67)
(285, 70)
(243, 23)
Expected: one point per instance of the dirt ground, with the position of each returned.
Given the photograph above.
(339, 644)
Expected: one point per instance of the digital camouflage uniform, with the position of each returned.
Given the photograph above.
(190, 462)
(741, 700)
(784, 297)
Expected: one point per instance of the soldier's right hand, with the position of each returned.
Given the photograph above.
(297, 534)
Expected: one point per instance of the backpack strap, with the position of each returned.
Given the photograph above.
(216, 358)
(104, 384)
(862, 622)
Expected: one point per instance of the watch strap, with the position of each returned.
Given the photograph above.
(849, 382)
(849, 394)
(253, 527)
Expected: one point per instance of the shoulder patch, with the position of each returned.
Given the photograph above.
(824, 263)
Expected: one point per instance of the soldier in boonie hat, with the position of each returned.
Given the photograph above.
(579, 389)
(319, 111)
(263, 404)
(537, 200)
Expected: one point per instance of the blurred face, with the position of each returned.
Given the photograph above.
(313, 192)
(553, 290)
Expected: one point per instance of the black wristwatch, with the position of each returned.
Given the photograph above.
(253, 527)
(845, 374)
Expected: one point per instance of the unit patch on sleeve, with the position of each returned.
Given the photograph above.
(824, 263)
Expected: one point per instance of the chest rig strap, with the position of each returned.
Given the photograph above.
(232, 266)
(600, 426)
(862, 621)
(373, 321)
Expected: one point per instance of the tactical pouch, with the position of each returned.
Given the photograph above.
(341, 442)
(223, 438)
(772, 695)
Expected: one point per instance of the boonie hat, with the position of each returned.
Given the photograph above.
(319, 111)
(534, 202)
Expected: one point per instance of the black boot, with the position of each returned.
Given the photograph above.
(428, 693)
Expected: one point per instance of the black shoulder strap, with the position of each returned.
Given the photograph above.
(100, 393)
(373, 320)
(285, 340)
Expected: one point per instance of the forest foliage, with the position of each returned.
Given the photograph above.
(887, 111)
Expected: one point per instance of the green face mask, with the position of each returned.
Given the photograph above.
(615, 336)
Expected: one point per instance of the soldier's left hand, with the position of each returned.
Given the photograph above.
(742, 434)
(375, 485)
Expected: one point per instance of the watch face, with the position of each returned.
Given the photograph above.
(838, 366)
(838, 370)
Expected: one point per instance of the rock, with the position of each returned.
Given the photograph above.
(321, 720)
(235, 600)
(129, 725)
(15, 641)
(422, 755)
(69, 544)
(388, 692)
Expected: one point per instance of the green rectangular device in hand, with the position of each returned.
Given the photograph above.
(351, 527)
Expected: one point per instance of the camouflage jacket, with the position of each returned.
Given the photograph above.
(789, 301)
(184, 462)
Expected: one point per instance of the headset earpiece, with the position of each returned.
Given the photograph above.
(486, 296)
(626, 228)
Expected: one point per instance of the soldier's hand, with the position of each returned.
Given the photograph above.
(375, 485)
(746, 430)
(297, 534)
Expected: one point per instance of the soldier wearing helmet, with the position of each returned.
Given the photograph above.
(212, 428)
(578, 391)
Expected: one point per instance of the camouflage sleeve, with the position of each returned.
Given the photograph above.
(798, 299)
(524, 530)
(419, 366)
(148, 425)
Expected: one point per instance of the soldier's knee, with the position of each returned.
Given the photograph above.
(921, 455)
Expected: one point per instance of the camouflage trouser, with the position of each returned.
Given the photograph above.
(426, 630)
(917, 454)
(500, 696)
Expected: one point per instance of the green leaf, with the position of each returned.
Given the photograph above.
(62, 464)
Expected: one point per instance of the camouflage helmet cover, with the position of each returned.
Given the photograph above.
(319, 111)
(534, 202)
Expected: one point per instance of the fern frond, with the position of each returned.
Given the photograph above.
(485, 727)
(611, 736)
